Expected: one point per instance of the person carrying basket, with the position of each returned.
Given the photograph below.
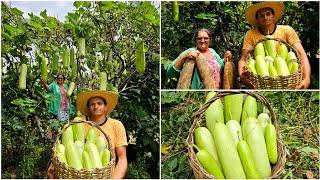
(95, 106)
(263, 16)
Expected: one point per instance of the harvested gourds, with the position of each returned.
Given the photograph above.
(186, 75)
(228, 74)
(272, 60)
(243, 145)
(82, 151)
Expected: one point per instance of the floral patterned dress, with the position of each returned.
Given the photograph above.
(215, 69)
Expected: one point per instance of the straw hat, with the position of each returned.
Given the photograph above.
(278, 8)
(110, 97)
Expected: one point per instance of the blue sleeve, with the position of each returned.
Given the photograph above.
(66, 86)
(50, 87)
(172, 71)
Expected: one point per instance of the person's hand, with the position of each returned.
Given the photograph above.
(192, 55)
(43, 81)
(227, 56)
(51, 171)
(304, 84)
(246, 81)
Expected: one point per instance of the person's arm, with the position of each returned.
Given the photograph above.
(175, 67)
(242, 62)
(305, 66)
(227, 55)
(217, 57)
(121, 167)
(45, 84)
(50, 172)
(192, 55)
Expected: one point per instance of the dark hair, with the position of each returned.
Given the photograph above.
(60, 75)
(267, 8)
(202, 30)
(104, 101)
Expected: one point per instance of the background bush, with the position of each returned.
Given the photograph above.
(110, 29)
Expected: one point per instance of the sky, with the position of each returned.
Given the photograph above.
(58, 9)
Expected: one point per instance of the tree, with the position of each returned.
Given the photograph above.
(110, 30)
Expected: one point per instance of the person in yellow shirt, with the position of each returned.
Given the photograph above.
(95, 106)
(263, 16)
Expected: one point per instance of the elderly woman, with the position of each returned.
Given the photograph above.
(263, 16)
(60, 105)
(203, 39)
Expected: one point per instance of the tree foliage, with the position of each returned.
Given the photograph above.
(110, 30)
(228, 25)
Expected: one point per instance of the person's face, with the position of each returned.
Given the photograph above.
(202, 40)
(97, 106)
(60, 80)
(265, 17)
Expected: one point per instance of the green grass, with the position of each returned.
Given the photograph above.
(296, 112)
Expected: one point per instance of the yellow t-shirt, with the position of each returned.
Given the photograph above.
(114, 129)
(286, 33)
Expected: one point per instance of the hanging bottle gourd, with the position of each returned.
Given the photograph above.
(23, 77)
(82, 46)
(66, 58)
(103, 81)
(44, 71)
(55, 63)
(140, 61)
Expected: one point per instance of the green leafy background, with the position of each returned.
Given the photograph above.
(110, 30)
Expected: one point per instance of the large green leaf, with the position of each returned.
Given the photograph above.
(43, 14)
(12, 30)
(106, 6)
(17, 12)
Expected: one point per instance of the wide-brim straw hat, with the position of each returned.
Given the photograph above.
(110, 97)
(278, 8)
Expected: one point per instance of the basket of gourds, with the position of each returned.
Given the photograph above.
(272, 65)
(229, 139)
(78, 154)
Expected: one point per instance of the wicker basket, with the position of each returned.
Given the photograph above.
(281, 82)
(65, 172)
(197, 117)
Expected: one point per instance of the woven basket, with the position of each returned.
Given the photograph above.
(65, 172)
(197, 117)
(281, 82)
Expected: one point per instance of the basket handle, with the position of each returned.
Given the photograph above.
(277, 39)
(218, 95)
(197, 115)
(80, 121)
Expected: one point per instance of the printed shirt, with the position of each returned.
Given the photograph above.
(285, 33)
(114, 129)
(215, 69)
(64, 99)
(196, 81)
